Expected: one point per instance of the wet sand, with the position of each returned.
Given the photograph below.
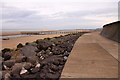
(12, 43)
(9, 33)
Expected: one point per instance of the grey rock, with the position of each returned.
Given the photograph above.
(57, 50)
(34, 70)
(15, 76)
(44, 60)
(66, 53)
(42, 76)
(7, 76)
(43, 45)
(28, 50)
(31, 76)
(9, 63)
(56, 62)
(7, 55)
(52, 76)
(21, 59)
(60, 67)
(48, 52)
(1, 54)
(40, 53)
(54, 67)
(24, 71)
(27, 65)
(16, 68)
(32, 59)
(51, 71)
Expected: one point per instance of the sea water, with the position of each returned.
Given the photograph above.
(13, 36)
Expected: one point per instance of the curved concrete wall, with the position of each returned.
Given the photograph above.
(112, 31)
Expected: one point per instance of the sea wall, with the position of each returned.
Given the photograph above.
(112, 31)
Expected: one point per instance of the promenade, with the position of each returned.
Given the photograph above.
(93, 56)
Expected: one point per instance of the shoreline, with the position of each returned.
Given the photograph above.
(10, 33)
(12, 42)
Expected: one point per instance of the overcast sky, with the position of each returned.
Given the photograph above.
(57, 14)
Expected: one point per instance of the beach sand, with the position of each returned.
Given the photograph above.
(12, 43)
(9, 33)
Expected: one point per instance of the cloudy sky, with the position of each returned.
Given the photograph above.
(57, 14)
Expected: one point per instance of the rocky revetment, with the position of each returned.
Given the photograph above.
(42, 59)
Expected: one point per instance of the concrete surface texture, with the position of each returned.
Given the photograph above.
(111, 31)
(93, 56)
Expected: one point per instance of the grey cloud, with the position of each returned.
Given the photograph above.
(15, 18)
(15, 13)
(103, 12)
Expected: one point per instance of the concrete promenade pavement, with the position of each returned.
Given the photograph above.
(93, 56)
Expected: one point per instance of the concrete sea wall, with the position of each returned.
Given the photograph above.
(112, 31)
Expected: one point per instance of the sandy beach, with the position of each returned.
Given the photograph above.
(9, 33)
(12, 43)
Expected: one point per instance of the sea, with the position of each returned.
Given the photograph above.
(11, 36)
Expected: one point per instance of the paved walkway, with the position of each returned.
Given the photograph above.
(93, 56)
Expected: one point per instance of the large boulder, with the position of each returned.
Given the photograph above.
(7, 55)
(16, 69)
(33, 60)
(28, 50)
(20, 59)
(43, 45)
(27, 66)
(9, 63)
